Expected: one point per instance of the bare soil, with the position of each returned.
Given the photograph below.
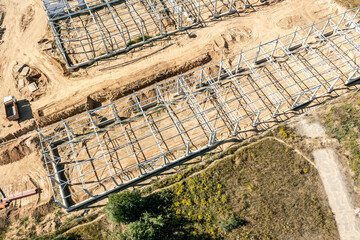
(218, 38)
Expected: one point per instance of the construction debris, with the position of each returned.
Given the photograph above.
(33, 87)
(18, 67)
(25, 71)
(21, 83)
(6, 200)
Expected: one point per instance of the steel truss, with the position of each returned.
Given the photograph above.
(90, 30)
(109, 148)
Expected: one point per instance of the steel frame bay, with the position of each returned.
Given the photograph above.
(89, 30)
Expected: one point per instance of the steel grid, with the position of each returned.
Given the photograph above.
(89, 30)
(109, 148)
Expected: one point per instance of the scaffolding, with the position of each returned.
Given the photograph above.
(111, 147)
(89, 30)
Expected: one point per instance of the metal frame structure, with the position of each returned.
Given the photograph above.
(90, 30)
(108, 148)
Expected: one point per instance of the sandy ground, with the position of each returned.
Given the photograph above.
(326, 161)
(21, 169)
(217, 38)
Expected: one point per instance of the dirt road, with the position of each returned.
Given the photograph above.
(326, 161)
(348, 224)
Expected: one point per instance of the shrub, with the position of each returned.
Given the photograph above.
(232, 223)
(124, 207)
(148, 227)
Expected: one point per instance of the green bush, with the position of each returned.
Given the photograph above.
(232, 223)
(148, 227)
(125, 207)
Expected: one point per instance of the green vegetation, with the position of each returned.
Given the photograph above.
(24, 221)
(125, 208)
(137, 40)
(342, 121)
(2, 233)
(264, 191)
(148, 227)
(71, 223)
(89, 231)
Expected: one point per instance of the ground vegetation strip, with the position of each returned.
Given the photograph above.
(342, 122)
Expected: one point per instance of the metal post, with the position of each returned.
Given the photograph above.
(238, 63)
(181, 18)
(230, 7)
(256, 119)
(198, 12)
(220, 69)
(201, 75)
(332, 85)
(214, 15)
(276, 110)
(323, 30)
(101, 146)
(308, 34)
(76, 160)
(188, 148)
(247, 5)
(315, 92)
(235, 132)
(292, 39)
(273, 51)
(257, 54)
(150, 127)
(297, 99)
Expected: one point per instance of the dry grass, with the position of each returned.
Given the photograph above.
(349, 3)
(342, 122)
(271, 190)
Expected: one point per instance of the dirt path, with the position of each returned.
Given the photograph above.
(326, 161)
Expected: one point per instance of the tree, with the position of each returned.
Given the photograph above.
(148, 227)
(125, 207)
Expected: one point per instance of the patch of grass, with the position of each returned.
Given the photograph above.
(2, 233)
(71, 223)
(232, 223)
(24, 220)
(137, 40)
(38, 218)
(285, 132)
(89, 231)
(58, 213)
(342, 123)
(260, 186)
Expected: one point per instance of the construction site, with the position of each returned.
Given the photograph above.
(117, 92)
(87, 31)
